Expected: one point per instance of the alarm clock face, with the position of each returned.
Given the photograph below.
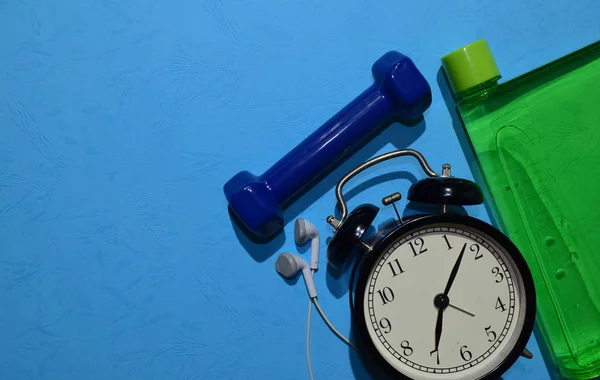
(445, 297)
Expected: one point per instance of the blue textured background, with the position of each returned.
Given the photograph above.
(121, 121)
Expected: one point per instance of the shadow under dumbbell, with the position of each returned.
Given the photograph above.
(259, 248)
(397, 134)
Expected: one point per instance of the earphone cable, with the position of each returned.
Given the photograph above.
(310, 372)
(343, 338)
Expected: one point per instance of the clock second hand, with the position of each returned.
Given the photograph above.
(442, 301)
(459, 309)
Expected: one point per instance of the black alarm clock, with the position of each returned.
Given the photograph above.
(437, 296)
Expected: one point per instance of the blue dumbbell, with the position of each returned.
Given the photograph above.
(399, 92)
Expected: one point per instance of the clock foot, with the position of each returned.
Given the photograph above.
(527, 354)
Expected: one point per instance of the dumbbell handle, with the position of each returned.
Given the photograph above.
(342, 132)
(399, 92)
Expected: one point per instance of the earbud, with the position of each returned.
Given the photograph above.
(303, 231)
(288, 265)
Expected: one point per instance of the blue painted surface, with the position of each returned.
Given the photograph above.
(121, 121)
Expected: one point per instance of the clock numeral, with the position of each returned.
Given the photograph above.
(490, 333)
(395, 267)
(385, 324)
(387, 295)
(500, 305)
(418, 243)
(447, 242)
(465, 354)
(475, 248)
(407, 348)
(499, 275)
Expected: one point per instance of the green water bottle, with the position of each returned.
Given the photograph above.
(536, 140)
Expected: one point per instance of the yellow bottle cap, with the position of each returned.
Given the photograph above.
(470, 66)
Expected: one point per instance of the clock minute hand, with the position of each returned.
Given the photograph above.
(455, 270)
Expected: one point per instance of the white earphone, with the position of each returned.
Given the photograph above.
(288, 265)
(303, 231)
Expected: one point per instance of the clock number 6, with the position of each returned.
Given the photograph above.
(419, 243)
(387, 295)
(465, 354)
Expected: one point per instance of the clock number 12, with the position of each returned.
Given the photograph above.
(418, 243)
